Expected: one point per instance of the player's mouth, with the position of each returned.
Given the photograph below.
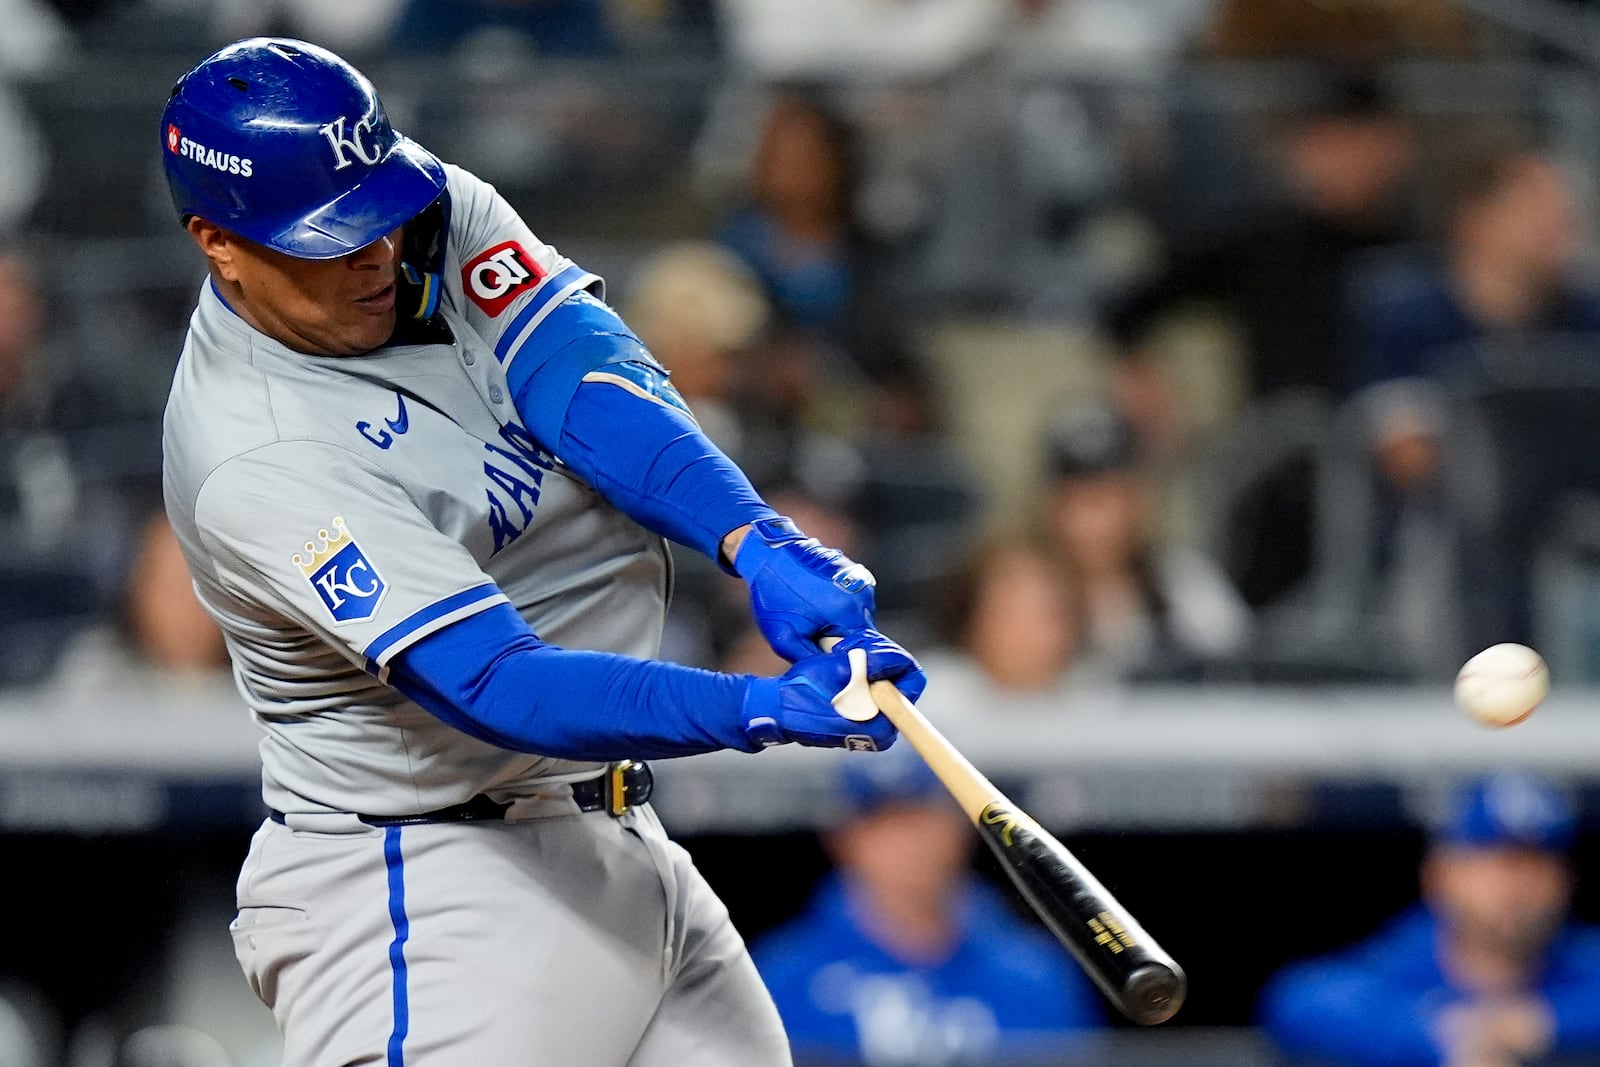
(378, 301)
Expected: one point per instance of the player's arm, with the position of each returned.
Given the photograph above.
(489, 676)
(589, 389)
(383, 587)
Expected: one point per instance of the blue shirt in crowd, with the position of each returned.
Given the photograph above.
(1415, 325)
(1006, 989)
(1378, 1004)
(809, 281)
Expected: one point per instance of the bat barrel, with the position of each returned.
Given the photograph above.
(1134, 972)
(1153, 993)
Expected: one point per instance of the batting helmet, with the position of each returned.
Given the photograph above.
(286, 144)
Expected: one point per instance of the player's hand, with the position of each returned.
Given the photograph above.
(799, 705)
(801, 591)
(1495, 1031)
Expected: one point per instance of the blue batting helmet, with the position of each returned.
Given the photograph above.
(286, 144)
(1509, 809)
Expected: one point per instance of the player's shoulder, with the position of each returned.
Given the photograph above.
(220, 405)
(1398, 957)
(1026, 950)
(235, 404)
(822, 932)
(1577, 950)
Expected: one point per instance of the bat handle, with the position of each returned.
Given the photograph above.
(972, 791)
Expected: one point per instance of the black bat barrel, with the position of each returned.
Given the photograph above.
(1132, 970)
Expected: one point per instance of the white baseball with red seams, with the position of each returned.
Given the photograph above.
(1501, 685)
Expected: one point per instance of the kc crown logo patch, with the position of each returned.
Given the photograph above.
(346, 582)
(495, 276)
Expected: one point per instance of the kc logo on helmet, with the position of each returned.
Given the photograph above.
(496, 276)
(355, 141)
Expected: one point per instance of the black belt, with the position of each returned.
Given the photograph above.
(624, 786)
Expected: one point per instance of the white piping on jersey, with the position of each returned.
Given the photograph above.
(583, 281)
(433, 626)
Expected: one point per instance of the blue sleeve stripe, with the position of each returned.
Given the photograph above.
(554, 290)
(431, 619)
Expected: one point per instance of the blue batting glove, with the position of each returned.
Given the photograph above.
(801, 591)
(799, 706)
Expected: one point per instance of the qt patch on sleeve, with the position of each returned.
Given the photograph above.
(498, 275)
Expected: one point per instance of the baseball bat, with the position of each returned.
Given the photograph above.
(1134, 972)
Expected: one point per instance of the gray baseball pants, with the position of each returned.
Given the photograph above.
(553, 938)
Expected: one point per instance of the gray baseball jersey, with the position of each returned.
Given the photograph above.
(335, 510)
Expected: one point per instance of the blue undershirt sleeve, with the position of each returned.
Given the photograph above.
(628, 434)
(489, 676)
(653, 463)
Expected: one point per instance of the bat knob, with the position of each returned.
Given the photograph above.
(1154, 993)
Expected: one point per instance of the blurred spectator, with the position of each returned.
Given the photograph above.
(69, 475)
(798, 229)
(919, 500)
(1148, 605)
(553, 27)
(50, 570)
(701, 312)
(862, 39)
(1281, 269)
(1011, 625)
(903, 959)
(1488, 972)
(1280, 272)
(1512, 239)
(29, 1031)
(166, 622)
(1343, 30)
(346, 28)
(159, 631)
(1502, 290)
(1136, 39)
(35, 43)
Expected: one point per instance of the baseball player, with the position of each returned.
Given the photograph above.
(422, 475)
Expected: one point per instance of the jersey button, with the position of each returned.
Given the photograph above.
(495, 394)
(468, 358)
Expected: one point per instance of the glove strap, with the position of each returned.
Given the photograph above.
(764, 534)
(761, 728)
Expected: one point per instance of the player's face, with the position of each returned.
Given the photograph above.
(322, 307)
(1507, 900)
(910, 852)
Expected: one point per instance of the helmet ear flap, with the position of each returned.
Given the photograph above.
(422, 250)
(419, 290)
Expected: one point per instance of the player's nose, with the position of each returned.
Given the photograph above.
(377, 254)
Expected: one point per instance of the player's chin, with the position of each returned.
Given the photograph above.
(364, 332)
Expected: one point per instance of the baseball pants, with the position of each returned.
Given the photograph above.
(578, 940)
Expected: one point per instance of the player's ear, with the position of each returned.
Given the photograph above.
(216, 243)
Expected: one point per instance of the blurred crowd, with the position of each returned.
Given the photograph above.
(1124, 340)
(1284, 381)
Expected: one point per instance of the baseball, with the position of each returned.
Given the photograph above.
(1501, 685)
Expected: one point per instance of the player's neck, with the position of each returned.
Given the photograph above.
(1484, 968)
(912, 928)
(1496, 296)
